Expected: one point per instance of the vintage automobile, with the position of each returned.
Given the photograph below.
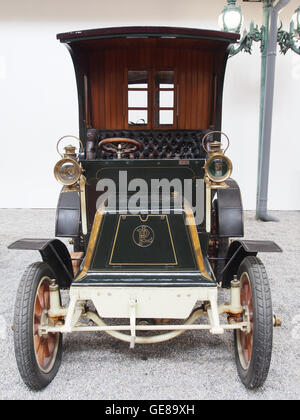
(150, 207)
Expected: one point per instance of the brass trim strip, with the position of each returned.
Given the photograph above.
(92, 242)
(192, 229)
(195, 239)
(82, 183)
(208, 208)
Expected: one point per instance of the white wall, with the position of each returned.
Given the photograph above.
(38, 101)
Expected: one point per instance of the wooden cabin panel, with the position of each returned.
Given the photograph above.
(194, 70)
(195, 89)
(96, 77)
(113, 95)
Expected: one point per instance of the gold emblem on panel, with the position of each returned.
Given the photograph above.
(143, 236)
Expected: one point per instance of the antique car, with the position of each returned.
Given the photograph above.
(149, 206)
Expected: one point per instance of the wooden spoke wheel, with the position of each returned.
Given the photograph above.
(38, 356)
(45, 347)
(253, 348)
(245, 338)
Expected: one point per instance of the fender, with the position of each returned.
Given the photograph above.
(230, 220)
(53, 252)
(238, 250)
(68, 215)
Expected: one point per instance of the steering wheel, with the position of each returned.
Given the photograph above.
(120, 146)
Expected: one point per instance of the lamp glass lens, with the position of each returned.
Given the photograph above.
(232, 20)
(218, 167)
(296, 21)
(68, 172)
(221, 22)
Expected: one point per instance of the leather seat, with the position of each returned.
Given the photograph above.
(157, 144)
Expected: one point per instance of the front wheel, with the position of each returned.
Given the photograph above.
(38, 356)
(253, 348)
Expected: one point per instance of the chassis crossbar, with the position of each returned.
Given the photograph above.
(138, 303)
(236, 326)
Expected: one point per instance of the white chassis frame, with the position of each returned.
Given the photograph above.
(143, 302)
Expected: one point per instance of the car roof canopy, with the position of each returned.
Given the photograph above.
(102, 57)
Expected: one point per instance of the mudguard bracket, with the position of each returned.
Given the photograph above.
(238, 250)
(53, 252)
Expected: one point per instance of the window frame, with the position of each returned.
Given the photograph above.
(152, 108)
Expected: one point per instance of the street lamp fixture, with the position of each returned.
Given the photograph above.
(231, 19)
(269, 36)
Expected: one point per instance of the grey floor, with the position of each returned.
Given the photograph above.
(196, 365)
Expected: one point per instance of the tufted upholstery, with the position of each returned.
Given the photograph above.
(157, 144)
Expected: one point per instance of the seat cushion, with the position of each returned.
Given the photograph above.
(157, 144)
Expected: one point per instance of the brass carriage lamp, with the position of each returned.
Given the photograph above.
(70, 149)
(231, 19)
(68, 171)
(218, 167)
(295, 23)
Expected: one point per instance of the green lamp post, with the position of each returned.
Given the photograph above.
(269, 36)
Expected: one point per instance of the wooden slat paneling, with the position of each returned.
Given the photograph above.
(194, 74)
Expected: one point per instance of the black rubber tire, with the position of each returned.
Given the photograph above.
(28, 367)
(256, 373)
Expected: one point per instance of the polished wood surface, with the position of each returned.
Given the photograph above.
(103, 57)
(146, 30)
(194, 91)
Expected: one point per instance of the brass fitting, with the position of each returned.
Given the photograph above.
(70, 152)
(214, 147)
(277, 322)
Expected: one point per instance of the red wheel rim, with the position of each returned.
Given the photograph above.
(45, 347)
(245, 338)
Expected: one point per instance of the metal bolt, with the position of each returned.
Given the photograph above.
(235, 282)
(277, 322)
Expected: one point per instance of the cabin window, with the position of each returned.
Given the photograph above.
(151, 98)
(164, 97)
(138, 92)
